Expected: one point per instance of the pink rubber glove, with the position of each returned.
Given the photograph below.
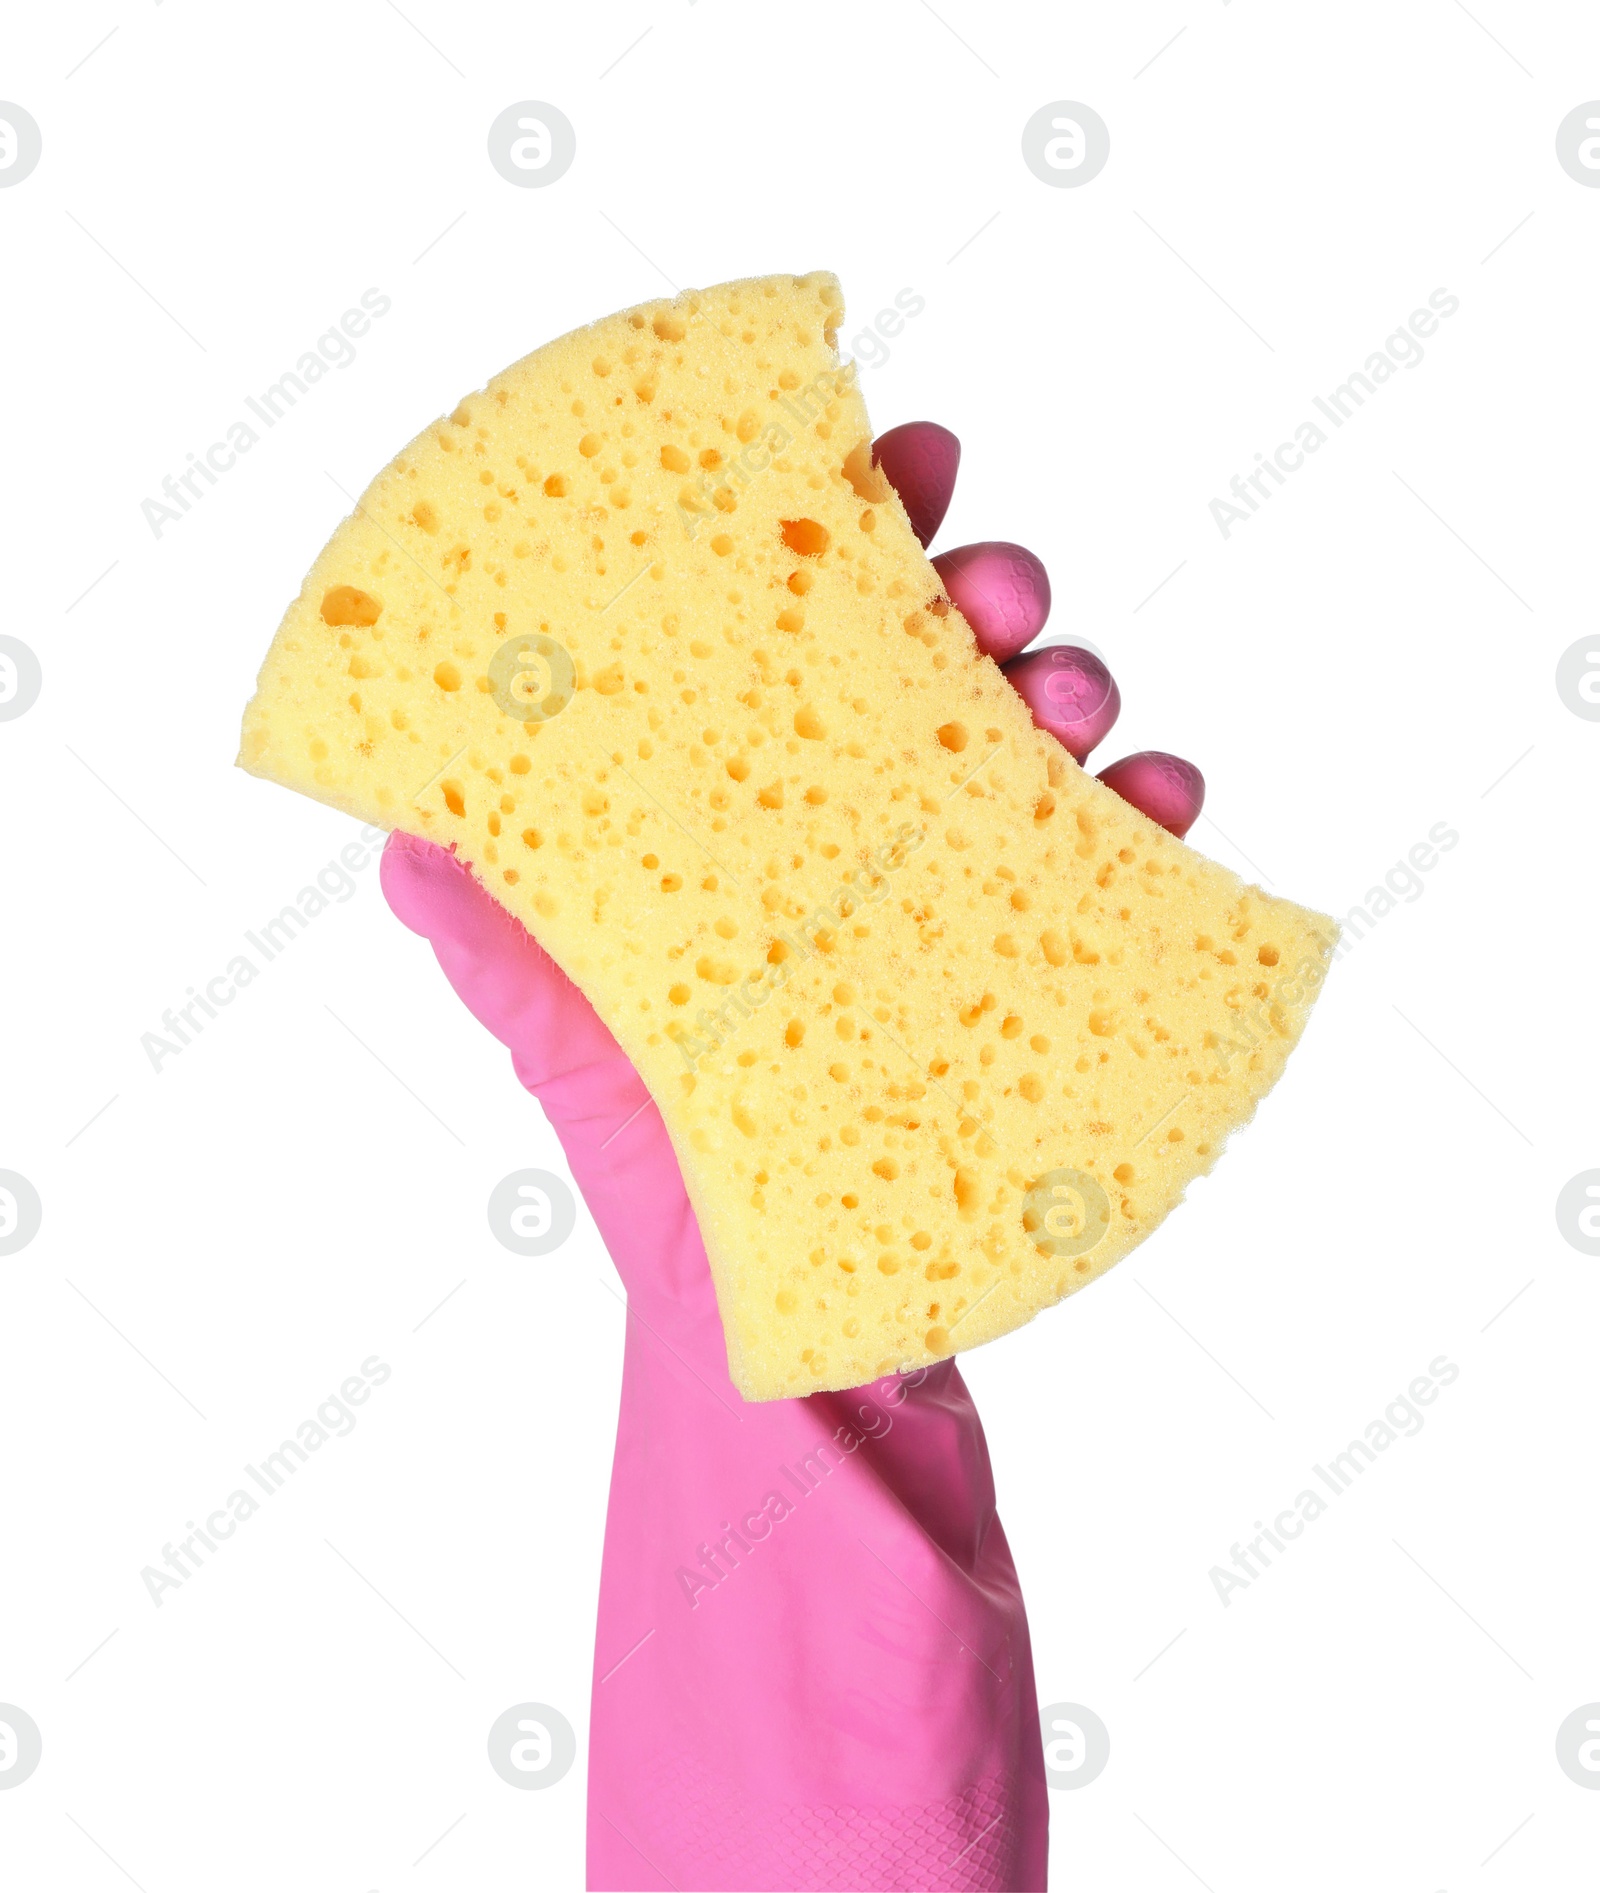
(811, 1662)
(812, 1666)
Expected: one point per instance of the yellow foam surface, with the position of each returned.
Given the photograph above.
(940, 1027)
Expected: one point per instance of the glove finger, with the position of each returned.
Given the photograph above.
(436, 894)
(1072, 696)
(1164, 787)
(919, 460)
(1003, 592)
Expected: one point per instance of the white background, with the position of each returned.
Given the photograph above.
(227, 1239)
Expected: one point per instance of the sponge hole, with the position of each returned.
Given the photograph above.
(346, 605)
(866, 482)
(808, 537)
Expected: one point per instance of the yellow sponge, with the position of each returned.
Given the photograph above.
(939, 1025)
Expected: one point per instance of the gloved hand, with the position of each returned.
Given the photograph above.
(812, 1666)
